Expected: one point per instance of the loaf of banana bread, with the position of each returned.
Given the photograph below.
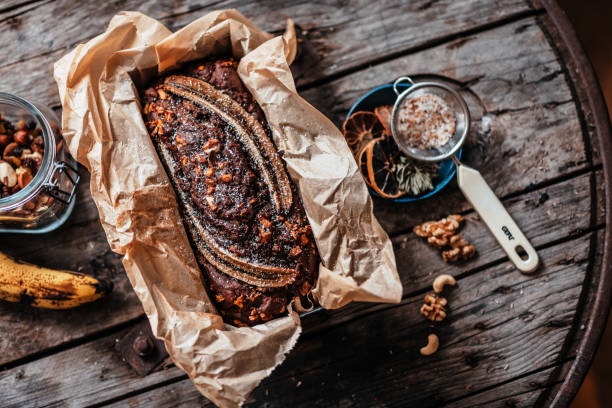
(243, 215)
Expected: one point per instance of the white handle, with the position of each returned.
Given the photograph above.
(497, 219)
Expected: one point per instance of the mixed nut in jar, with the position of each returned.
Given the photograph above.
(38, 177)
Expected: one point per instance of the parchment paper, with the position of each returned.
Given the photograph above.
(102, 123)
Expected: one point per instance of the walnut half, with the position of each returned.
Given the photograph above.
(433, 308)
(443, 235)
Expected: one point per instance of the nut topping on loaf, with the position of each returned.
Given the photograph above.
(248, 130)
(245, 220)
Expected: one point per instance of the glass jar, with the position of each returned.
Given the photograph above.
(48, 199)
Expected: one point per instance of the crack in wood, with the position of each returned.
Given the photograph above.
(547, 105)
(485, 325)
(72, 344)
(8, 19)
(427, 5)
(495, 365)
(529, 189)
(413, 50)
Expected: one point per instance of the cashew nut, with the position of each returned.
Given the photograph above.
(8, 176)
(441, 281)
(432, 345)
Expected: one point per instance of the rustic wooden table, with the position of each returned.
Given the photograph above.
(542, 140)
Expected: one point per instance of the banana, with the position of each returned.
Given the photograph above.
(47, 288)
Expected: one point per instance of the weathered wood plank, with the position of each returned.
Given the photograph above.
(78, 245)
(565, 212)
(519, 172)
(82, 239)
(9, 9)
(532, 99)
(493, 315)
(600, 182)
(522, 392)
(541, 387)
(576, 84)
(182, 392)
(534, 117)
(545, 215)
(540, 81)
(575, 339)
(530, 124)
(345, 34)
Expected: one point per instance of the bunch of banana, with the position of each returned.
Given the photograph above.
(47, 288)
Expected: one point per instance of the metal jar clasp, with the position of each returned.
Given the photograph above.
(53, 185)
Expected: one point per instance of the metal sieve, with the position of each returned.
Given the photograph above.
(470, 181)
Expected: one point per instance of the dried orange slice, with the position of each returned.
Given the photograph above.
(360, 128)
(363, 163)
(382, 157)
(384, 115)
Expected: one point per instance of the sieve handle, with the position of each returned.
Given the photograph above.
(497, 219)
(399, 81)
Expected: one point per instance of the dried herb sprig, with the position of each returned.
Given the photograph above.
(415, 177)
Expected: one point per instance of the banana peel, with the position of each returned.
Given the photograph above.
(48, 288)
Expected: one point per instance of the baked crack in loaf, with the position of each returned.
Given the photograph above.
(244, 217)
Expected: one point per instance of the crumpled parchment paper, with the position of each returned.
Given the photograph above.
(102, 123)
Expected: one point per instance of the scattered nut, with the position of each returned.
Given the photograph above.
(239, 301)
(21, 125)
(456, 241)
(4, 140)
(238, 323)
(443, 234)
(8, 176)
(24, 176)
(12, 149)
(265, 222)
(265, 235)
(464, 252)
(442, 228)
(438, 242)
(21, 148)
(151, 93)
(211, 202)
(433, 308)
(26, 154)
(441, 281)
(432, 345)
(211, 145)
(451, 255)
(21, 137)
(468, 251)
(38, 144)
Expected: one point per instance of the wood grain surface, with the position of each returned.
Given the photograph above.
(509, 340)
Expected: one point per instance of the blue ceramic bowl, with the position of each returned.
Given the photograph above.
(384, 95)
